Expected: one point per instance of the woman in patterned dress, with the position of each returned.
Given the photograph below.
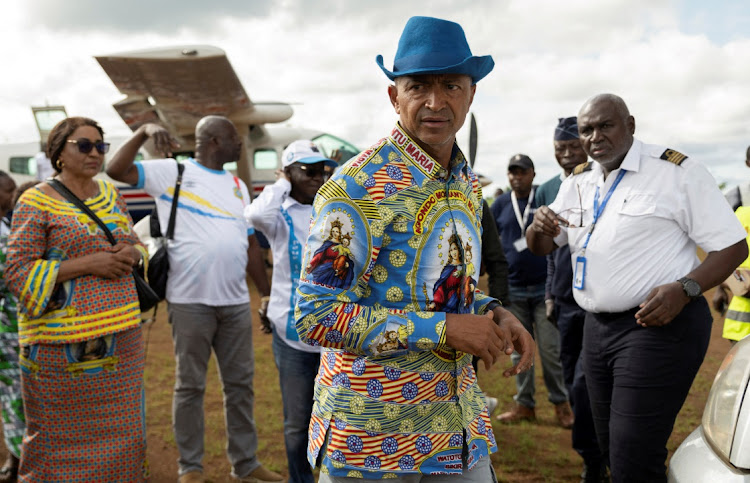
(82, 355)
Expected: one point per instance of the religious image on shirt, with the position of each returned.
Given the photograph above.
(332, 263)
(393, 339)
(453, 288)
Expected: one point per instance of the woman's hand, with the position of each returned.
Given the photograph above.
(118, 261)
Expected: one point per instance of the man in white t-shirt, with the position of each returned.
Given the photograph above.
(282, 212)
(208, 301)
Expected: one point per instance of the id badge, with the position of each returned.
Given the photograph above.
(579, 274)
(520, 244)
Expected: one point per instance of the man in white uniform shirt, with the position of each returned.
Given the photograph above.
(633, 220)
(209, 305)
(282, 212)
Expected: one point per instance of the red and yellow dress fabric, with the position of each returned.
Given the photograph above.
(391, 397)
(82, 354)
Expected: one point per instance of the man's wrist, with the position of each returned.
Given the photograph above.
(691, 288)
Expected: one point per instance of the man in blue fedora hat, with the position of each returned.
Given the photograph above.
(396, 395)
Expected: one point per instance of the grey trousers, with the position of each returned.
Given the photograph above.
(481, 473)
(196, 330)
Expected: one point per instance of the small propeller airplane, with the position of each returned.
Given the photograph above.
(175, 87)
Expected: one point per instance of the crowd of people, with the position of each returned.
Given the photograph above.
(377, 320)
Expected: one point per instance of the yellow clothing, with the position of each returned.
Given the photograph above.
(47, 231)
(737, 320)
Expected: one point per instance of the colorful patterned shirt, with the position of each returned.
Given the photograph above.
(391, 397)
(47, 231)
(8, 302)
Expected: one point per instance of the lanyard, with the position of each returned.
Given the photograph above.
(598, 209)
(522, 218)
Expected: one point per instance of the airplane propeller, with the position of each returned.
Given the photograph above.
(472, 140)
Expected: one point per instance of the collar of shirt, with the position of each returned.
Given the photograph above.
(290, 202)
(416, 157)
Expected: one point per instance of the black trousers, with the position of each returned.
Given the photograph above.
(570, 318)
(638, 379)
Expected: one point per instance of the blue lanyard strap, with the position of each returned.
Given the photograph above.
(598, 209)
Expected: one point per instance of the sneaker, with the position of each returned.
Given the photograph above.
(261, 474)
(517, 414)
(595, 472)
(565, 415)
(195, 476)
(491, 403)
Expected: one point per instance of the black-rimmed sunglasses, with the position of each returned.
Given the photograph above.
(86, 145)
(311, 172)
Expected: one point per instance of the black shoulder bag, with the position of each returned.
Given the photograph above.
(158, 264)
(147, 298)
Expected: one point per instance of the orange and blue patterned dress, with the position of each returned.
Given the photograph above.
(391, 397)
(82, 354)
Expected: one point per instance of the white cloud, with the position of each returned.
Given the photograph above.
(687, 90)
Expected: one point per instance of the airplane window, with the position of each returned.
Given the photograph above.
(265, 159)
(23, 165)
(327, 143)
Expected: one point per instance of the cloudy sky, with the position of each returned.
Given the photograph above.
(683, 66)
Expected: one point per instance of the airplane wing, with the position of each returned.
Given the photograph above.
(177, 86)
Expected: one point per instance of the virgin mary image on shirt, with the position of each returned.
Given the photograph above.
(447, 293)
(332, 264)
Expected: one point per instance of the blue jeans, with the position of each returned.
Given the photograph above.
(297, 371)
(527, 304)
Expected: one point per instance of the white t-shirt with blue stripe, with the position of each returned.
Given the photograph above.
(208, 254)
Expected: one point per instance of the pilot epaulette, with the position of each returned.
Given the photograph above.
(582, 168)
(673, 156)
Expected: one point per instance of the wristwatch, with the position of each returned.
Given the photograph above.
(691, 287)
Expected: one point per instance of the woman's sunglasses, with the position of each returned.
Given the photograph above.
(86, 145)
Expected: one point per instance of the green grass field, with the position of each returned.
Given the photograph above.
(538, 452)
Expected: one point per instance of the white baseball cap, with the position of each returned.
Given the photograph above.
(305, 152)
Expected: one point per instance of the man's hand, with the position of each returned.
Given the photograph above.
(549, 310)
(543, 229)
(662, 305)
(522, 341)
(490, 336)
(478, 335)
(163, 141)
(265, 322)
(547, 222)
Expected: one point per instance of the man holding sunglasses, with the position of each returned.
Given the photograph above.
(282, 212)
(636, 273)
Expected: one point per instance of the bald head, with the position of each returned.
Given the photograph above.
(606, 130)
(619, 105)
(213, 126)
(216, 142)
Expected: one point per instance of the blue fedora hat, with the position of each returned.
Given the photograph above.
(434, 46)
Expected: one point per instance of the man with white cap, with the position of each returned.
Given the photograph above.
(282, 212)
(397, 311)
